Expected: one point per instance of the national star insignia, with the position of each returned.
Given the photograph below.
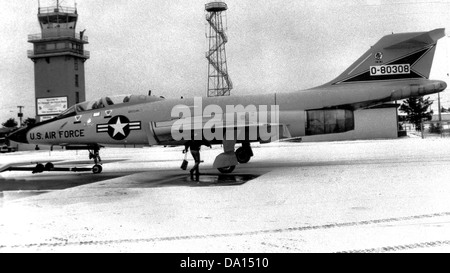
(118, 127)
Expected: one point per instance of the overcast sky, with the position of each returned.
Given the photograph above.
(273, 46)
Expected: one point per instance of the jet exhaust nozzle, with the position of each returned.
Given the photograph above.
(417, 90)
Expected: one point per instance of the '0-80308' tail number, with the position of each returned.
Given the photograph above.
(393, 69)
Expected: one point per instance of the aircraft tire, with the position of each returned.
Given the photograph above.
(97, 169)
(229, 169)
(49, 166)
(243, 155)
(39, 168)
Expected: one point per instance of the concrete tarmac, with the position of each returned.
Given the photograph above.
(352, 196)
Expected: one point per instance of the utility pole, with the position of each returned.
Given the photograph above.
(439, 107)
(20, 115)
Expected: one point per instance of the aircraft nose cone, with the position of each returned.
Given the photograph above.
(443, 85)
(19, 135)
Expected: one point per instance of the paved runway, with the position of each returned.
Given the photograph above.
(355, 196)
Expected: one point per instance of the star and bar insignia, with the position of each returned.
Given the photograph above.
(118, 127)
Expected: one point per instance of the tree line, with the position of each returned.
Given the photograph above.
(12, 123)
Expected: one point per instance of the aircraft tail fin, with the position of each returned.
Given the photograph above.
(395, 56)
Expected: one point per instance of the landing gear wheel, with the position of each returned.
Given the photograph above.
(229, 169)
(243, 155)
(49, 166)
(97, 168)
(39, 168)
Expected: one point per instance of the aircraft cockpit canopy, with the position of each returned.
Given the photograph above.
(108, 101)
(68, 112)
(102, 102)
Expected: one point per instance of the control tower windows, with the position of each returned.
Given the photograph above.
(50, 46)
(60, 45)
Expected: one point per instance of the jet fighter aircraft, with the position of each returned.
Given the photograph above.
(397, 67)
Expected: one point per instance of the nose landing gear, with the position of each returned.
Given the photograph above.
(97, 168)
(95, 154)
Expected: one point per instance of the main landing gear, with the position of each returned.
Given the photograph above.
(228, 169)
(243, 155)
(95, 154)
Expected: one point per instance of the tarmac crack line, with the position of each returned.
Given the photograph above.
(252, 233)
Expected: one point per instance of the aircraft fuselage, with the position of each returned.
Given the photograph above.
(149, 123)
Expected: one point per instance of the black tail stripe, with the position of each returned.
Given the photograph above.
(410, 59)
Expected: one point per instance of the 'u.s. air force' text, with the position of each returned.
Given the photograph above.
(57, 134)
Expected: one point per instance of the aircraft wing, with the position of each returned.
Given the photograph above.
(241, 131)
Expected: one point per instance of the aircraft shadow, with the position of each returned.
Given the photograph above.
(148, 178)
(204, 180)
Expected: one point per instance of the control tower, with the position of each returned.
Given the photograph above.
(58, 55)
(219, 83)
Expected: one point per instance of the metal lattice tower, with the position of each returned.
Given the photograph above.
(219, 83)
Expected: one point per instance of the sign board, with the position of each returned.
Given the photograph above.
(51, 106)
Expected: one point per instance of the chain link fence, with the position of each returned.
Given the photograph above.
(429, 129)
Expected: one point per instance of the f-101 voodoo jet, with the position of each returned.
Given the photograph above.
(397, 67)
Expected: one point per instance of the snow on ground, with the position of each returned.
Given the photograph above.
(372, 196)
